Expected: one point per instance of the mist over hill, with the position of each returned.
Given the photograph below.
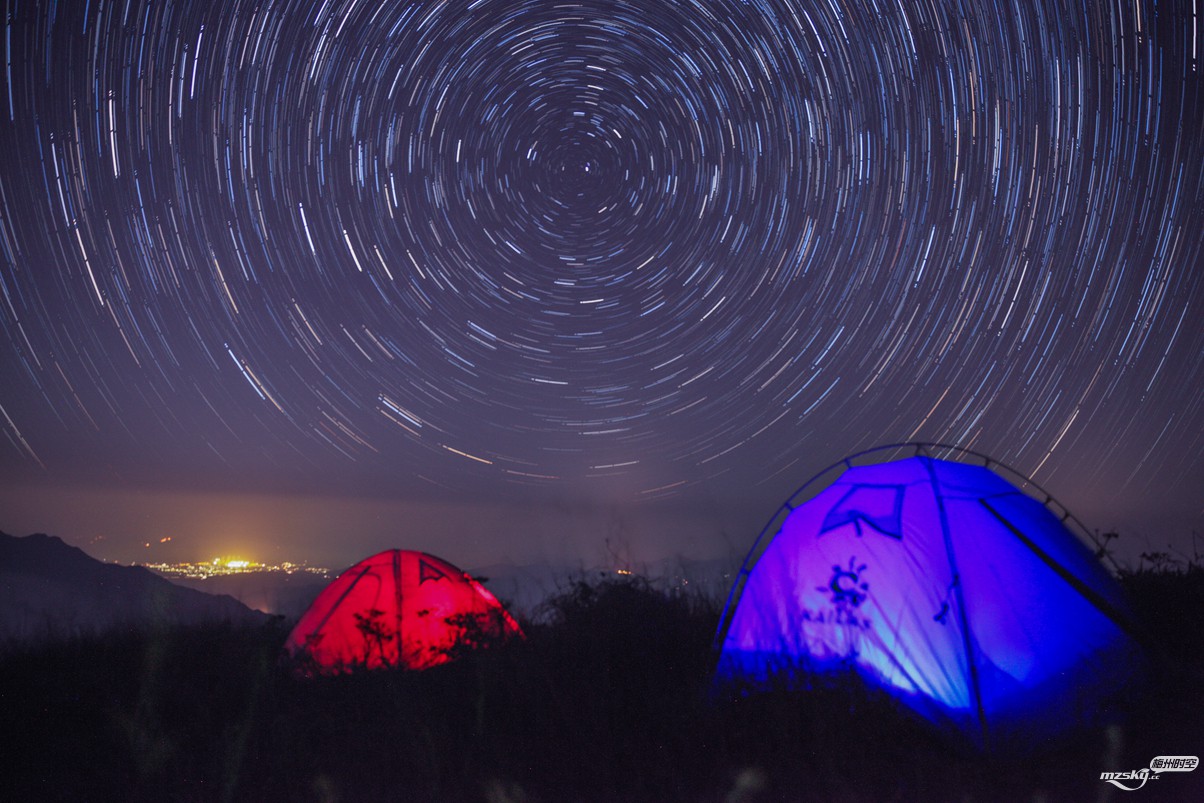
(269, 592)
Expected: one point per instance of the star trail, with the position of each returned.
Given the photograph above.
(629, 252)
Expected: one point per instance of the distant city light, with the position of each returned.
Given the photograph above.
(226, 566)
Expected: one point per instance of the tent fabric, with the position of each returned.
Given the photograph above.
(398, 608)
(945, 585)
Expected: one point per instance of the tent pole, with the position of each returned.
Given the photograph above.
(961, 604)
(339, 601)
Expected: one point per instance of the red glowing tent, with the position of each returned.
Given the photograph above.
(397, 609)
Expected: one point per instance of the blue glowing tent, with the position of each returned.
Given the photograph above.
(943, 583)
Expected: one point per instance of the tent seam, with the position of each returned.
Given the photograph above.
(1110, 611)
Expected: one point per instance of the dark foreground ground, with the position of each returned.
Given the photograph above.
(607, 700)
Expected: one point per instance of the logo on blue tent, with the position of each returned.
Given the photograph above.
(846, 585)
(846, 591)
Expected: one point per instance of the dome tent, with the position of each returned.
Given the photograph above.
(398, 608)
(941, 582)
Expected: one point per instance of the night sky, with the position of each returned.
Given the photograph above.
(505, 280)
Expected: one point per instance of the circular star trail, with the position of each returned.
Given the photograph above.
(646, 245)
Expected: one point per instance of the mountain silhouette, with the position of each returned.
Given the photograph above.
(51, 589)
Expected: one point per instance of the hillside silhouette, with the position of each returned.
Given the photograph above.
(51, 589)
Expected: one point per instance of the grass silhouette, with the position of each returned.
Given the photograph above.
(609, 697)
